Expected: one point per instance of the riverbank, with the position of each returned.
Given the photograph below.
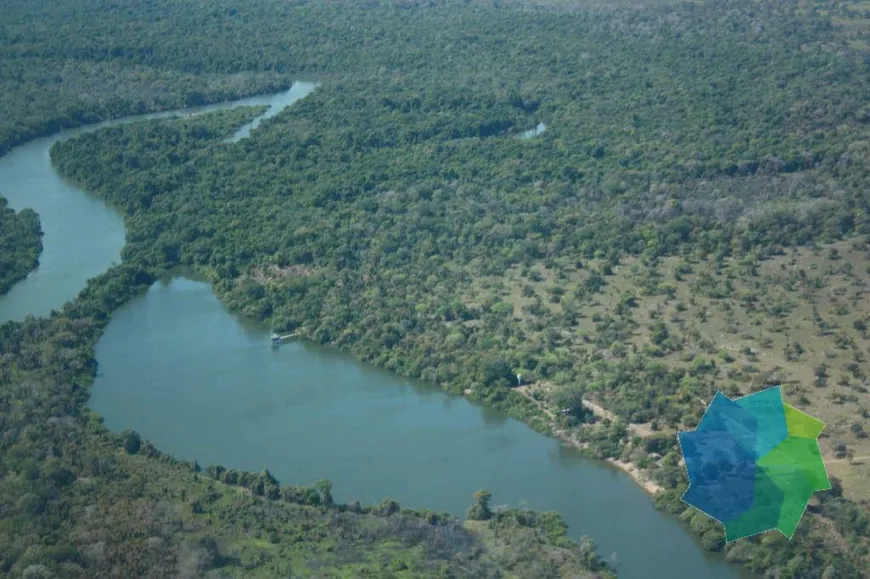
(21, 240)
(119, 507)
(377, 338)
(400, 175)
(105, 488)
(639, 476)
(368, 429)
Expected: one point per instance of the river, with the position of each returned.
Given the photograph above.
(82, 236)
(204, 384)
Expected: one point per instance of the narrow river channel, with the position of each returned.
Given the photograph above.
(203, 384)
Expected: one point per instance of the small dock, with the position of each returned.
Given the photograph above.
(278, 339)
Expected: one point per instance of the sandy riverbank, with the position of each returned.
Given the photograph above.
(638, 475)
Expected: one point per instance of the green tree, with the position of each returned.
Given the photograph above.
(479, 510)
(132, 442)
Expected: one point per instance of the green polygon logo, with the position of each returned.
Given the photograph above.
(753, 463)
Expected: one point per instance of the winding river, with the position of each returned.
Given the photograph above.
(203, 384)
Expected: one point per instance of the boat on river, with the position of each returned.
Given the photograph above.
(278, 339)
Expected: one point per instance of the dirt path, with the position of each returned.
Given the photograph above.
(852, 460)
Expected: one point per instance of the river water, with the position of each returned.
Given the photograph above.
(204, 384)
(82, 236)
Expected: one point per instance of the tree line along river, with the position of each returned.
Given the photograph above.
(204, 384)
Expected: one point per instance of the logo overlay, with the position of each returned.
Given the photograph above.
(754, 463)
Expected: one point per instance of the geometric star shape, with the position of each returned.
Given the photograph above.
(802, 424)
(765, 515)
(796, 468)
(753, 463)
(766, 407)
(720, 459)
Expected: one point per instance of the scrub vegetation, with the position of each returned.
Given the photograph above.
(694, 218)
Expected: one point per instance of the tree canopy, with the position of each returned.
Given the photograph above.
(20, 244)
(614, 260)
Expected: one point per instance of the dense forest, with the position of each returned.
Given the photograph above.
(20, 244)
(694, 217)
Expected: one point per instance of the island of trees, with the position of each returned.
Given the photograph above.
(20, 244)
